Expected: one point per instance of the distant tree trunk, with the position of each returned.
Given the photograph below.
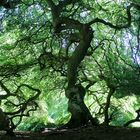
(106, 110)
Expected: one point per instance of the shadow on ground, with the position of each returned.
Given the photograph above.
(89, 133)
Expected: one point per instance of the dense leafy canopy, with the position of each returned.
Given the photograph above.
(36, 52)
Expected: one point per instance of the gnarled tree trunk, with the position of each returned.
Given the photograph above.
(80, 114)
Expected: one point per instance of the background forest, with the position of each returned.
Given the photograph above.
(47, 46)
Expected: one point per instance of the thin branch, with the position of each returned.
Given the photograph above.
(117, 27)
(25, 104)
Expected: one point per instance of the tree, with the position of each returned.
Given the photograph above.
(56, 37)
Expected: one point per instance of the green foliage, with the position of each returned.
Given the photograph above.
(31, 53)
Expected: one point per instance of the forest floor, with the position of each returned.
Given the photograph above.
(88, 133)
